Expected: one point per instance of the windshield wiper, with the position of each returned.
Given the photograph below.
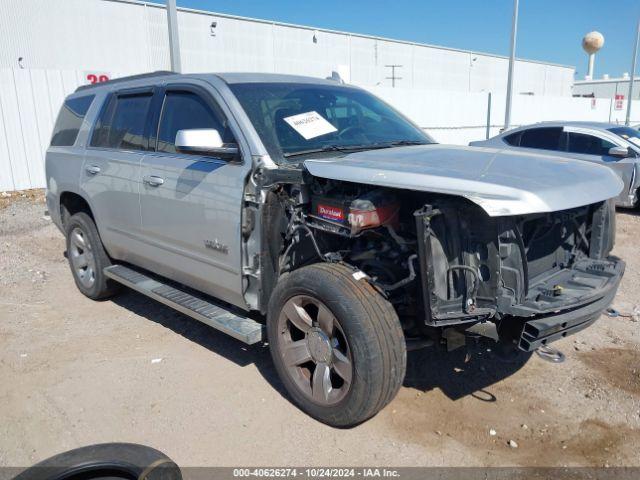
(349, 148)
(334, 148)
(408, 142)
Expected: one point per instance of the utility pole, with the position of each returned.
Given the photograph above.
(393, 77)
(633, 76)
(512, 60)
(174, 41)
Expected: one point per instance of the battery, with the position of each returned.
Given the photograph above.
(330, 209)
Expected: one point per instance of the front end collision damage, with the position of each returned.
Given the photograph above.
(534, 288)
(447, 264)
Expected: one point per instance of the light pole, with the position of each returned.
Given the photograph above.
(633, 76)
(512, 60)
(174, 41)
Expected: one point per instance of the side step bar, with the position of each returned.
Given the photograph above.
(205, 310)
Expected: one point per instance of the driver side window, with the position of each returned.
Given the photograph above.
(588, 144)
(183, 110)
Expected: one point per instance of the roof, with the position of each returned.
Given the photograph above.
(606, 80)
(129, 78)
(230, 78)
(251, 77)
(582, 124)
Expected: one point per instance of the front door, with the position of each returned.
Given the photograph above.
(596, 149)
(191, 205)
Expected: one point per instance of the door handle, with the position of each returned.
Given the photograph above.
(92, 169)
(152, 180)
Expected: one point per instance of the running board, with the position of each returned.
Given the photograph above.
(216, 316)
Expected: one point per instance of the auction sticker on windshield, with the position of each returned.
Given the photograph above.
(310, 124)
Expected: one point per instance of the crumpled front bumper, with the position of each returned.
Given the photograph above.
(544, 329)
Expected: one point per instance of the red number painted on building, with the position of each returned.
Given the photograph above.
(97, 78)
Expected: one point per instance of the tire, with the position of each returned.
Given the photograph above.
(87, 258)
(108, 460)
(336, 343)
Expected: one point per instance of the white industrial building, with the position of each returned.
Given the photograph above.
(607, 87)
(122, 37)
(50, 47)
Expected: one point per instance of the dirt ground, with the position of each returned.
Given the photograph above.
(75, 372)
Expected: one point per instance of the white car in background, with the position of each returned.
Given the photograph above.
(610, 144)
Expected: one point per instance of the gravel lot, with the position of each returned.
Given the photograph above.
(75, 372)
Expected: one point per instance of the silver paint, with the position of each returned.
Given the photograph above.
(501, 182)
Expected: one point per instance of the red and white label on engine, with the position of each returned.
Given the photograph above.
(330, 213)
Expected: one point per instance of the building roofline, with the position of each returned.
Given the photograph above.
(340, 32)
(605, 80)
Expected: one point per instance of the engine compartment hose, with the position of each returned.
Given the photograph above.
(404, 281)
(471, 293)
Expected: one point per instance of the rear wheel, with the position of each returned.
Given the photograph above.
(87, 258)
(337, 344)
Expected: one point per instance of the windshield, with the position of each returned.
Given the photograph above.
(629, 134)
(297, 118)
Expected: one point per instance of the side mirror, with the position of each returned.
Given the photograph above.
(619, 152)
(205, 141)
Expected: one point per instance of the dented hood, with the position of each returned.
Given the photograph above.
(502, 182)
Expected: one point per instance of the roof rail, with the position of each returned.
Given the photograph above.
(158, 73)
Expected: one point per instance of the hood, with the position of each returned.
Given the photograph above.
(502, 182)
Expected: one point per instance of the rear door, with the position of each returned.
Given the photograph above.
(111, 173)
(543, 138)
(191, 204)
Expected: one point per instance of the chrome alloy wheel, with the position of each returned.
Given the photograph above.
(82, 258)
(314, 350)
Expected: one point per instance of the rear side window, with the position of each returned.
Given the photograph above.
(547, 138)
(122, 123)
(588, 144)
(186, 110)
(69, 121)
(513, 139)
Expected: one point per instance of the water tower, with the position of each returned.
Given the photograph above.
(591, 43)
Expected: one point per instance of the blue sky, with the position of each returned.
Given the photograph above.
(549, 30)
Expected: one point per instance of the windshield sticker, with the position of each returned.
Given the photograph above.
(310, 124)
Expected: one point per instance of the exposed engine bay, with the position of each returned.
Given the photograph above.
(441, 260)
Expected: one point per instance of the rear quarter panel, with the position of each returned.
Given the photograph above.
(63, 165)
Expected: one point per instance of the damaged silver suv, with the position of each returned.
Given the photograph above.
(313, 215)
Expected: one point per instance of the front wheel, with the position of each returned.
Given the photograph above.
(336, 343)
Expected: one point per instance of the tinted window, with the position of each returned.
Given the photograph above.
(513, 139)
(185, 110)
(588, 144)
(545, 138)
(122, 123)
(69, 121)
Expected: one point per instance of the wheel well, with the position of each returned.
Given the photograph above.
(72, 203)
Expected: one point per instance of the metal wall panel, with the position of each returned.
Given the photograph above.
(75, 34)
(441, 69)
(296, 52)
(29, 125)
(30, 100)
(13, 132)
(157, 39)
(364, 61)
(131, 37)
(29, 104)
(231, 46)
(6, 170)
